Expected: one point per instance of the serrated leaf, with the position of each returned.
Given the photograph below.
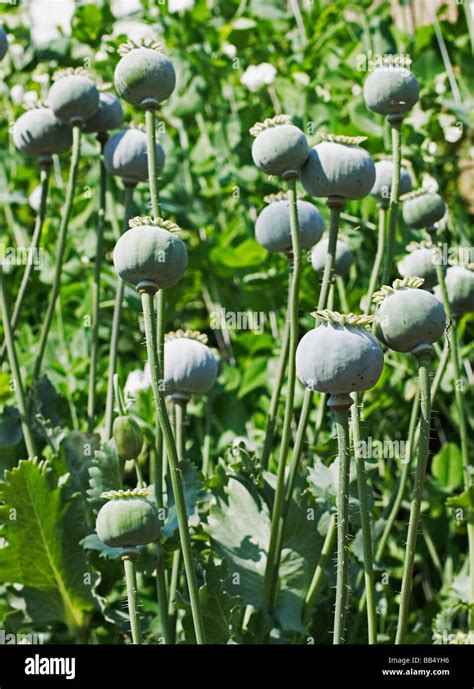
(105, 473)
(42, 530)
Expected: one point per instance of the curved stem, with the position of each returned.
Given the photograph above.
(175, 474)
(319, 571)
(463, 434)
(374, 276)
(271, 570)
(35, 241)
(96, 293)
(132, 596)
(114, 336)
(341, 417)
(393, 208)
(275, 398)
(60, 249)
(15, 369)
(424, 362)
(365, 524)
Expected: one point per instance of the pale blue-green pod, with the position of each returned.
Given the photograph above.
(391, 90)
(338, 167)
(279, 148)
(126, 156)
(409, 317)
(109, 116)
(383, 182)
(343, 260)
(73, 97)
(338, 358)
(420, 262)
(150, 255)
(3, 43)
(273, 231)
(421, 209)
(460, 288)
(128, 519)
(190, 366)
(144, 77)
(38, 132)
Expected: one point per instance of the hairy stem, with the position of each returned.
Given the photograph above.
(175, 473)
(341, 417)
(317, 579)
(132, 596)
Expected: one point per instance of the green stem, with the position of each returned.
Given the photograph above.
(320, 569)
(150, 121)
(96, 293)
(132, 596)
(374, 276)
(15, 369)
(175, 474)
(341, 289)
(60, 249)
(117, 316)
(365, 525)
(424, 363)
(275, 398)
(271, 570)
(335, 213)
(463, 433)
(341, 416)
(206, 454)
(172, 610)
(35, 241)
(393, 208)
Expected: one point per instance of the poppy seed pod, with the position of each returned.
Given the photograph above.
(279, 148)
(391, 89)
(3, 43)
(383, 182)
(128, 519)
(420, 262)
(460, 288)
(421, 209)
(408, 317)
(144, 77)
(128, 438)
(338, 167)
(73, 97)
(125, 155)
(109, 115)
(38, 132)
(344, 257)
(190, 366)
(273, 231)
(150, 255)
(339, 356)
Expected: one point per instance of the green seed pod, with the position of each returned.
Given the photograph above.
(420, 262)
(128, 519)
(128, 438)
(273, 231)
(109, 115)
(344, 257)
(150, 254)
(190, 366)
(3, 43)
(73, 97)
(383, 182)
(340, 356)
(279, 148)
(408, 316)
(338, 167)
(460, 289)
(144, 77)
(421, 209)
(38, 132)
(125, 155)
(391, 90)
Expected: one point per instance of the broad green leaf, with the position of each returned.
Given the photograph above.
(248, 253)
(105, 473)
(42, 530)
(447, 466)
